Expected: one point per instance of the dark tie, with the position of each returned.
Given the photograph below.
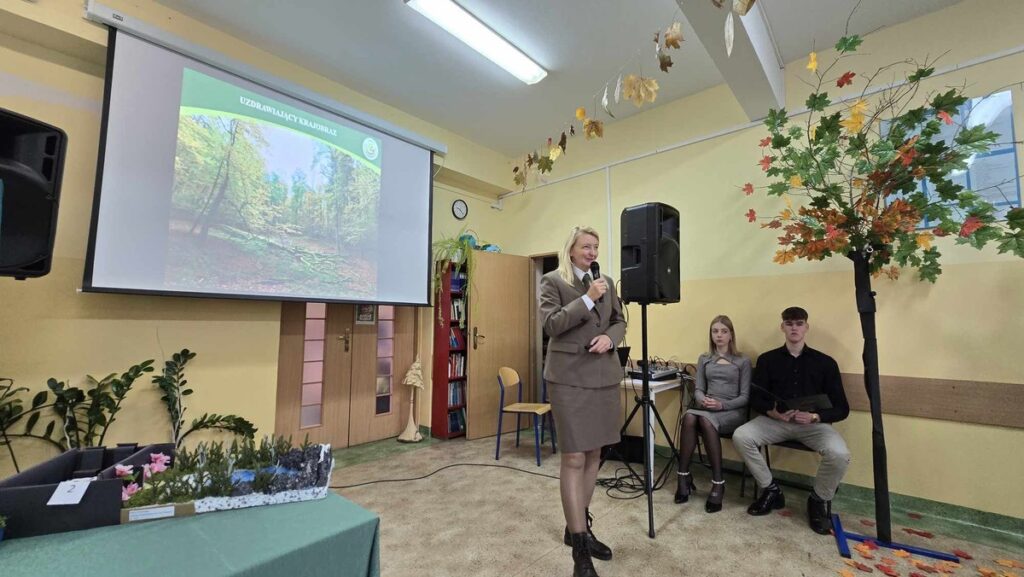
(586, 281)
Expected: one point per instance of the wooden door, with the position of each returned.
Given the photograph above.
(329, 368)
(498, 334)
(313, 382)
(382, 353)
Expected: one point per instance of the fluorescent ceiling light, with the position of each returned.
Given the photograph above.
(464, 26)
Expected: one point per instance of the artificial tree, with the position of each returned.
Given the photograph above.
(857, 167)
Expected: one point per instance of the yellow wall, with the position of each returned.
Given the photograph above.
(48, 329)
(967, 326)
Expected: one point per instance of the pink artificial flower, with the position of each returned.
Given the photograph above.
(160, 458)
(123, 470)
(127, 492)
(157, 467)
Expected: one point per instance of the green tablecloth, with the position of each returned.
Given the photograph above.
(332, 536)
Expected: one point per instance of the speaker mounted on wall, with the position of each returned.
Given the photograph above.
(650, 254)
(31, 169)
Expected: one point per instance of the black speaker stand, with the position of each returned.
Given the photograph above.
(646, 406)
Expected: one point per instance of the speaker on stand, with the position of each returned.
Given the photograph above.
(650, 274)
(31, 169)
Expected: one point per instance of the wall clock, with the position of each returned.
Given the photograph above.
(460, 209)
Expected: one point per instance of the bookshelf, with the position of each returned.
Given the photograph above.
(448, 400)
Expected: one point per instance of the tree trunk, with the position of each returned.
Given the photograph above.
(866, 308)
(217, 200)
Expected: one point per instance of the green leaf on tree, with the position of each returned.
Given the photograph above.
(778, 188)
(848, 43)
(780, 141)
(1013, 243)
(776, 119)
(1015, 218)
(920, 73)
(976, 138)
(948, 101)
(817, 101)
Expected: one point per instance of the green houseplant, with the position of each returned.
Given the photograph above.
(865, 175)
(458, 251)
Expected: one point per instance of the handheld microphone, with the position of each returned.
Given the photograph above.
(595, 272)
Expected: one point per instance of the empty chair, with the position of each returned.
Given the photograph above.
(508, 379)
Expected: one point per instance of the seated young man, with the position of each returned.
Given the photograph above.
(790, 372)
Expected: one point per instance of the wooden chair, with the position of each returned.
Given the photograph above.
(508, 378)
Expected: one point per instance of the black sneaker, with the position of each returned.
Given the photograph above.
(770, 499)
(819, 514)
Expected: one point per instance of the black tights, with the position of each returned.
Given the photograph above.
(712, 443)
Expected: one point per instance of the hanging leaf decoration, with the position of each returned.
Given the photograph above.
(618, 89)
(845, 79)
(519, 178)
(741, 7)
(664, 61)
(730, 33)
(717, 3)
(639, 89)
(581, 113)
(674, 35)
(561, 142)
(572, 130)
(593, 128)
(544, 164)
(604, 102)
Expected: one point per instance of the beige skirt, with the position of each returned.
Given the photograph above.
(585, 418)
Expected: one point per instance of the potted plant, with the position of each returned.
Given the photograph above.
(458, 251)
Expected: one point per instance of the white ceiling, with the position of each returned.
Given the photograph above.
(386, 50)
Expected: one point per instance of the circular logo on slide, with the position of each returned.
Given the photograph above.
(370, 149)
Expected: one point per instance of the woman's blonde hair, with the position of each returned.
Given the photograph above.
(565, 256)
(712, 349)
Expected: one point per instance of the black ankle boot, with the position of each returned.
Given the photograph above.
(819, 514)
(771, 498)
(582, 566)
(598, 550)
(684, 487)
(715, 497)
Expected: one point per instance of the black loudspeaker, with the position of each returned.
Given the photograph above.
(650, 254)
(31, 168)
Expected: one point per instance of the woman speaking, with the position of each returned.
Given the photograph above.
(583, 318)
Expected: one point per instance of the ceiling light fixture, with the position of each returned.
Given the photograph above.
(464, 26)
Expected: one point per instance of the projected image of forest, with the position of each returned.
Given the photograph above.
(259, 207)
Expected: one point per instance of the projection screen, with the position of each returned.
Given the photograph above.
(209, 184)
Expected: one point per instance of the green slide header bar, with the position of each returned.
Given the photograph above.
(199, 91)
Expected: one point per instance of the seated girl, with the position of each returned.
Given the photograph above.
(721, 394)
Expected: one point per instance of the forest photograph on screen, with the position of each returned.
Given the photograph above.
(269, 199)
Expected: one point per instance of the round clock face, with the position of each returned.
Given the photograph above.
(460, 209)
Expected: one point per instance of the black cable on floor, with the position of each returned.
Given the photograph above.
(442, 469)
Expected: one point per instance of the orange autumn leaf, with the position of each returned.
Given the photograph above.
(901, 553)
(766, 163)
(674, 35)
(845, 573)
(945, 117)
(923, 566)
(887, 570)
(1010, 563)
(859, 566)
(795, 181)
(962, 554)
(751, 215)
(924, 241)
(581, 113)
(767, 140)
(854, 123)
(987, 572)
(888, 561)
(971, 224)
(639, 89)
(748, 189)
(784, 256)
(868, 556)
(845, 79)
(593, 128)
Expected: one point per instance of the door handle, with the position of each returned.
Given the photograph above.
(476, 336)
(347, 337)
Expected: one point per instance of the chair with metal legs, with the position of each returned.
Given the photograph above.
(508, 378)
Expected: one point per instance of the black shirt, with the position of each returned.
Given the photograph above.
(789, 377)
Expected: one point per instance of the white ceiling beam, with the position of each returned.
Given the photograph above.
(753, 72)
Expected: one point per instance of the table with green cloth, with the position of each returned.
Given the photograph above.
(331, 536)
